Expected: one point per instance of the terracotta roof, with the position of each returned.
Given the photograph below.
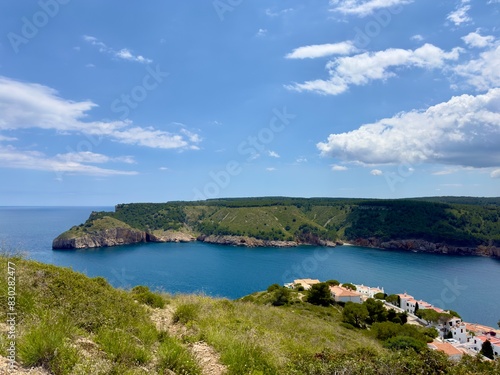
(343, 292)
(306, 281)
(445, 347)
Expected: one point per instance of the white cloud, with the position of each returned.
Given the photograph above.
(484, 72)
(322, 50)
(495, 173)
(124, 53)
(273, 13)
(29, 105)
(90, 66)
(475, 39)
(163, 168)
(464, 131)
(338, 168)
(93, 158)
(376, 172)
(273, 154)
(261, 33)
(364, 8)
(71, 163)
(417, 38)
(301, 159)
(459, 15)
(445, 172)
(361, 69)
(270, 169)
(4, 138)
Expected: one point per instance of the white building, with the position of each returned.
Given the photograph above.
(341, 294)
(368, 291)
(407, 303)
(305, 283)
(459, 332)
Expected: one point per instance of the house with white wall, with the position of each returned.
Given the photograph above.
(341, 294)
(368, 291)
(305, 283)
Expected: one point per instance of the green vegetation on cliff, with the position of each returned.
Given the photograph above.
(68, 323)
(458, 221)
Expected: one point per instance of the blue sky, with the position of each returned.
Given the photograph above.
(104, 102)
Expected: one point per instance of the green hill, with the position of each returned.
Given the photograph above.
(67, 323)
(453, 221)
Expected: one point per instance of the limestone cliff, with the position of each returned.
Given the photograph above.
(169, 236)
(255, 242)
(418, 245)
(101, 238)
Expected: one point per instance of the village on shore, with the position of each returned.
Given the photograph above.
(455, 337)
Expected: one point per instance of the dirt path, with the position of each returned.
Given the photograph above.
(206, 356)
(18, 370)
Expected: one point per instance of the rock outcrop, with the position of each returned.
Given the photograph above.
(418, 245)
(244, 241)
(169, 236)
(102, 238)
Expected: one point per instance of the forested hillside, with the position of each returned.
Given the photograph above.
(456, 221)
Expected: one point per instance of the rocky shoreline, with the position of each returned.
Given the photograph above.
(125, 236)
(128, 236)
(422, 246)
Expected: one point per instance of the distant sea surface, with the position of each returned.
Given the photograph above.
(468, 285)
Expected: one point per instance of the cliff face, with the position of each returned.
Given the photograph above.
(169, 236)
(427, 247)
(254, 242)
(102, 238)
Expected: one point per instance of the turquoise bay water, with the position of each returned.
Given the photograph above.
(469, 285)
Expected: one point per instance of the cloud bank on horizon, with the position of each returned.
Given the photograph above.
(371, 86)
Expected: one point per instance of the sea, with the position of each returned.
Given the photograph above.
(469, 285)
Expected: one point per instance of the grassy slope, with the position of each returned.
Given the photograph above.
(72, 324)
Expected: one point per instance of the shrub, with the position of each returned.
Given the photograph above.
(319, 294)
(173, 356)
(380, 296)
(46, 345)
(143, 295)
(122, 347)
(186, 312)
(403, 343)
(273, 287)
(332, 282)
(281, 296)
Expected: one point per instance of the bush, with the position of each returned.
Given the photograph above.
(273, 287)
(143, 295)
(173, 356)
(122, 347)
(332, 282)
(404, 342)
(281, 297)
(380, 296)
(186, 312)
(319, 294)
(46, 345)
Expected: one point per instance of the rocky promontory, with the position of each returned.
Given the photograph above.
(102, 238)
